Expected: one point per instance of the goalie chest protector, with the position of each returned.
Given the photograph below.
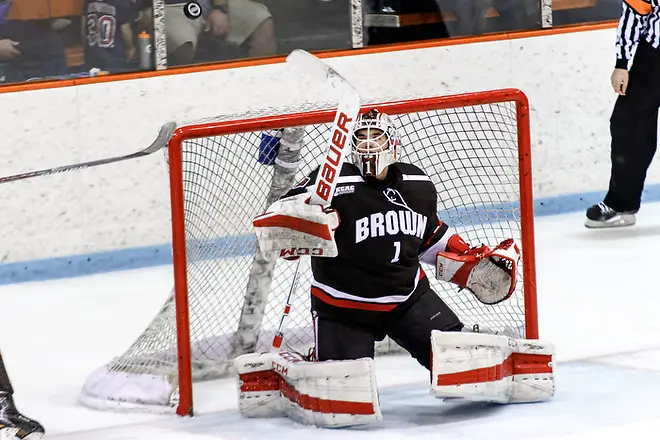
(383, 225)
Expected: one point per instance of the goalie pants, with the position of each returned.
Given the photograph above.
(634, 130)
(409, 327)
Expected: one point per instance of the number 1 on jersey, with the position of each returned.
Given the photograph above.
(397, 251)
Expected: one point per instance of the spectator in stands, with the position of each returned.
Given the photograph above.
(8, 49)
(5, 6)
(470, 14)
(518, 14)
(29, 49)
(241, 23)
(108, 35)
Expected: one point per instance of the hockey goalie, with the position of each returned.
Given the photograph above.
(368, 283)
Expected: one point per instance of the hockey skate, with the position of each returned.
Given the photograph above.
(14, 425)
(602, 216)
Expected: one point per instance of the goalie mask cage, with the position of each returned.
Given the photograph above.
(228, 300)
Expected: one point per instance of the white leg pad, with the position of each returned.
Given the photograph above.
(325, 394)
(258, 386)
(492, 368)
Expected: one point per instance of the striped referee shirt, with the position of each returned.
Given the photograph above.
(640, 19)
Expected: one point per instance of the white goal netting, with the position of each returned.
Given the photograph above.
(471, 152)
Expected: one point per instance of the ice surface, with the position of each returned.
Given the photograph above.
(598, 303)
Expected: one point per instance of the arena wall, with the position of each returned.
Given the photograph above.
(118, 216)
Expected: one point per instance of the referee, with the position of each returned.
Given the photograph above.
(634, 121)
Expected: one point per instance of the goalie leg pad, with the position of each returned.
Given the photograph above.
(325, 394)
(259, 392)
(492, 368)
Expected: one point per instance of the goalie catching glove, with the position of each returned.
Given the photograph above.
(490, 274)
(292, 227)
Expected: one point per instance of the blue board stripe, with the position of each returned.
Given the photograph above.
(226, 247)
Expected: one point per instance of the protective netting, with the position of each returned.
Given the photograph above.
(471, 155)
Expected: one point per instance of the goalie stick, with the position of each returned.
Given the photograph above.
(161, 141)
(279, 336)
(339, 137)
(339, 144)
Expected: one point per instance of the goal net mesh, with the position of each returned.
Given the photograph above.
(470, 154)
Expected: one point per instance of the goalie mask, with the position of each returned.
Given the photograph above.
(375, 143)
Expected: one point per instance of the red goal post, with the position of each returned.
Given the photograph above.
(326, 116)
(475, 147)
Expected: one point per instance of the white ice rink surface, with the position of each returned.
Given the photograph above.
(598, 303)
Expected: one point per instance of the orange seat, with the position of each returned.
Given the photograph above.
(563, 5)
(44, 9)
(29, 10)
(65, 8)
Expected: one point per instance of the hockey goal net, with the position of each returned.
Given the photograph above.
(228, 300)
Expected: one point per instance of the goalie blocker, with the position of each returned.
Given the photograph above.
(292, 227)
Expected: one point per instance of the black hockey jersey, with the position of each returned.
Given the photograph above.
(384, 226)
(104, 42)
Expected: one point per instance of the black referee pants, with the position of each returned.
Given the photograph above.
(634, 129)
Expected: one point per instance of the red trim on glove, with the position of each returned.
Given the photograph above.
(297, 224)
(457, 244)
